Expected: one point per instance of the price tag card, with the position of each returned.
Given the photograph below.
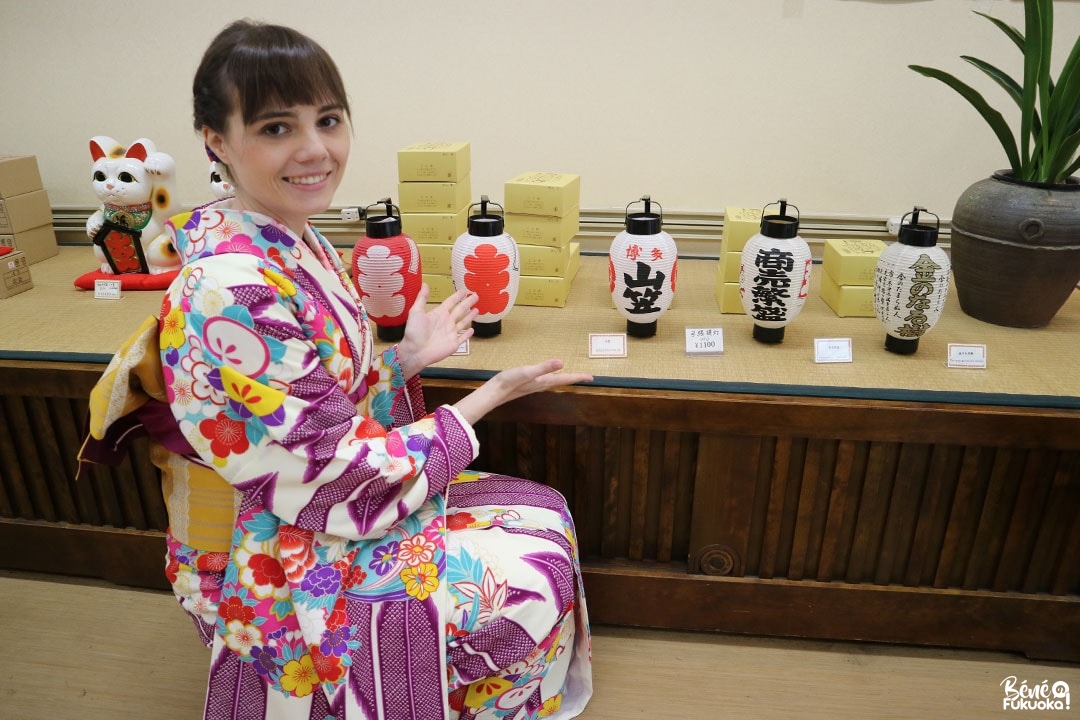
(463, 348)
(607, 345)
(704, 341)
(107, 289)
(832, 350)
(967, 356)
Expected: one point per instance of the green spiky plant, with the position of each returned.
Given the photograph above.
(1046, 149)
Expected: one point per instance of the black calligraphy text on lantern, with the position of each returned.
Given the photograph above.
(644, 290)
(919, 297)
(772, 283)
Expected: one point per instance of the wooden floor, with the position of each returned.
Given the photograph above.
(61, 657)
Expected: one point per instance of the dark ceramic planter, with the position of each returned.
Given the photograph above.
(1015, 249)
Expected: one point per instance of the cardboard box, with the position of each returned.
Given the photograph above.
(740, 224)
(434, 162)
(435, 259)
(14, 274)
(543, 193)
(547, 261)
(548, 230)
(542, 291)
(433, 197)
(442, 228)
(18, 175)
(728, 267)
(727, 297)
(442, 286)
(847, 300)
(852, 262)
(22, 212)
(38, 244)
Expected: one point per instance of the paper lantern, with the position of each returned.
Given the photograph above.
(642, 266)
(485, 261)
(774, 274)
(386, 271)
(911, 283)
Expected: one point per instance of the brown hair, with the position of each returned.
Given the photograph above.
(253, 66)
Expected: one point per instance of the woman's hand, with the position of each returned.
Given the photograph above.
(435, 335)
(514, 383)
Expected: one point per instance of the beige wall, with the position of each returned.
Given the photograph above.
(701, 103)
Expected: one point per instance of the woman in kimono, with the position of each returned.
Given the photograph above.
(324, 534)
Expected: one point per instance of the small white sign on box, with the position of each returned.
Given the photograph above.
(107, 289)
(967, 356)
(704, 341)
(463, 348)
(607, 345)
(832, 350)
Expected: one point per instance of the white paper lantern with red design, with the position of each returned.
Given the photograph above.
(911, 284)
(387, 271)
(774, 274)
(485, 261)
(642, 267)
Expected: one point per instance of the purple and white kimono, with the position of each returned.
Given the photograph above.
(324, 533)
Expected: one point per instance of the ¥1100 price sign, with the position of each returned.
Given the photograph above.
(704, 341)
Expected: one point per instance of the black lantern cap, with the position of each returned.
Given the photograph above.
(769, 335)
(901, 346)
(781, 226)
(640, 330)
(918, 235)
(485, 225)
(382, 226)
(644, 223)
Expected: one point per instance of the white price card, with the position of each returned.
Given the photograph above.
(463, 348)
(607, 345)
(107, 289)
(704, 341)
(832, 350)
(967, 356)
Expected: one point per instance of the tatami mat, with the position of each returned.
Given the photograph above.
(54, 320)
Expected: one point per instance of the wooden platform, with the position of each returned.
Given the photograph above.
(890, 499)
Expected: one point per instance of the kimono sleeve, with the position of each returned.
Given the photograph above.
(253, 396)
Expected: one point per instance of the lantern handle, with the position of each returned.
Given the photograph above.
(915, 217)
(484, 202)
(648, 205)
(382, 201)
(783, 203)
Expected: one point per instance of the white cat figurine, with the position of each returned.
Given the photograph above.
(219, 182)
(136, 187)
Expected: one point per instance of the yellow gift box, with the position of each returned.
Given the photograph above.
(435, 259)
(548, 230)
(852, 262)
(727, 296)
(728, 267)
(547, 261)
(548, 291)
(543, 193)
(433, 197)
(442, 286)
(740, 224)
(847, 300)
(434, 162)
(432, 228)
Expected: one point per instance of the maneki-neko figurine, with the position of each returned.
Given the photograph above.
(136, 186)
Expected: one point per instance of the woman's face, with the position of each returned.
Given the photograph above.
(288, 162)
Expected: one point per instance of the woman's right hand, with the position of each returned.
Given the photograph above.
(513, 383)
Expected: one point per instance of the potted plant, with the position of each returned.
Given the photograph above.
(1016, 235)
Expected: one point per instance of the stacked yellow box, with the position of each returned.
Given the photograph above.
(740, 224)
(26, 221)
(847, 280)
(543, 213)
(434, 194)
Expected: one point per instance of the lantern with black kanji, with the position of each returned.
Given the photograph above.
(774, 273)
(485, 261)
(911, 283)
(386, 271)
(642, 265)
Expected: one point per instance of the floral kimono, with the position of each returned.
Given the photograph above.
(324, 534)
